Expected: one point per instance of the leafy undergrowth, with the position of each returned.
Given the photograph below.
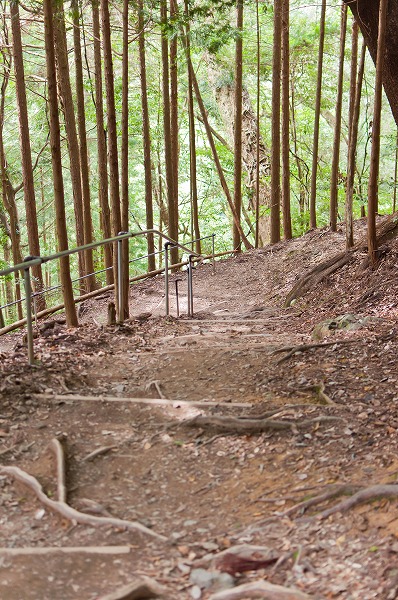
(268, 425)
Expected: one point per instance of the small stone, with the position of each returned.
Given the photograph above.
(196, 592)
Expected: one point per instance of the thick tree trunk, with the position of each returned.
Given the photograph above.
(174, 126)
(366, 14)
(287, 219)
(125, 155)
(66, 283)
(275, 234)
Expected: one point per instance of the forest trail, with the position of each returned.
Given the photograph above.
(175, 423)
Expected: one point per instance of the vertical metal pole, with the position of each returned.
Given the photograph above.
(177, 300)
(29, 326)
(166, 276)
(190, 286)
(120, 303)
(213, 251)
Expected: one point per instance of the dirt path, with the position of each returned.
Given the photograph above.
(203, 488)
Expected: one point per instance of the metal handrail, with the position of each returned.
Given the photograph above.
(32, 261)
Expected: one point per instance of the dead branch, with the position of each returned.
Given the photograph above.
(70, 513)
(156, 385)
(248, 426)
(260, 589)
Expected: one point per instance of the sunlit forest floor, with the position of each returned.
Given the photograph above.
(261, 408)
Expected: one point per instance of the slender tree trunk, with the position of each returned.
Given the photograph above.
(83, 152)
(125, 154)
(61, 54)
(101, 145)
(353, 74)
(257, 188)
(394, 204)
(287, 219)
(238, 122)
(352, 150)
(334, 184)
(375, 152)
(146, 137)
(170, 180)
(192, 146)
(275, 235)
(315, 144)
(174, 126)
(66, 283)
(26, 157)
(112, 137)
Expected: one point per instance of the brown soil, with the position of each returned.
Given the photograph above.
(206, 490)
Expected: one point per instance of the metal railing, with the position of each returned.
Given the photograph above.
(32, 261)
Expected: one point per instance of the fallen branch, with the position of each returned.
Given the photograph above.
(70, 513)
(98, 452)
(260, 589)
(247, 426)
(154, 401)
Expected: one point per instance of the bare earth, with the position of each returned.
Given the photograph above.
(205, 486)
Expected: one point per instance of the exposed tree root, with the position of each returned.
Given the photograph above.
(292, 350)
(368, 494)
(248, 426)
(386, 230)
(60, 507)
(260, 589)
(333, 492)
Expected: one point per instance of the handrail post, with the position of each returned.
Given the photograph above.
(213, 235)
(120, 280)
(166, 276)
(177, 299)
(29, 324)
(190, 286)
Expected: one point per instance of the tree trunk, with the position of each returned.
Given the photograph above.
(146, 137)
(287, 219)
(195, 230)
(101, 146)
(238, 122)
(168, 152)
(83, 152)
(317, 117)
(174, 127)
(375, 153)
(352, 150)
(26, 157)
(61, 54)
(125, 155)
(275, 235)
(334, 182)
(112, 139)
(66, 283)
(367, 16)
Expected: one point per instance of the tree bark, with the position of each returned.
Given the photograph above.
(66, 283)
(26, 157)
(83, 152)
(61, 54)
(146, 137)
(375, 153)
(317, 117)
(287, 219)
(238, 122)
(174, 126)
(334, 186)
(125, 155)
(275, 235)
(105, 216)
